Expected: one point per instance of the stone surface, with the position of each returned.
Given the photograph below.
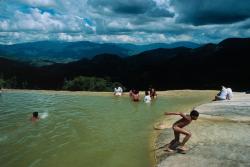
(220, 137)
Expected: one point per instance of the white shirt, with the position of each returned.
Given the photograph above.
(119, 89)
(223, 93)
(147, 99)
(229, 93)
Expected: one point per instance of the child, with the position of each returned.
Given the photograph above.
(147, 98)
(34, 117)
(153, 94)
(178, 129)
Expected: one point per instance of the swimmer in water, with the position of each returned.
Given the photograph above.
(34, 117)
(135, 95)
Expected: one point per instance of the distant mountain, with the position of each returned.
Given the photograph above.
(136, 49)
(48, 52)
(58, 51)
(205, 67)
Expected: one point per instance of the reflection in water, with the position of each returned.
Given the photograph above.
(79, 130)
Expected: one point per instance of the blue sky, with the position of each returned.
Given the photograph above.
(123, 21)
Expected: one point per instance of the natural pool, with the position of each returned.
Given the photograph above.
(82, 129)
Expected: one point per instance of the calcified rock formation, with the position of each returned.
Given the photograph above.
(220, 137)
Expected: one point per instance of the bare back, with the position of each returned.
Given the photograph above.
(183, 122)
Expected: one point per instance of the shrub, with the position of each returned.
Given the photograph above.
(83, 83)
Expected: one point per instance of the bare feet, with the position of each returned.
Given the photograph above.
(182, 148)
(167, 149)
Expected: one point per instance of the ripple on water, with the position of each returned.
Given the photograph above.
(105, 130)
(3, 138)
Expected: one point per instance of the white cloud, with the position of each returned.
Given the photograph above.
(120, 24)
(70, 38)
(4, 25)
(184, 37)
(126, 39)
(20, 37)
(114, 38)
(105, 21)
(40, 3)
(37, 20)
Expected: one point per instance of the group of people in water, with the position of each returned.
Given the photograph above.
(135, 94)
(149, 95)
(178, 126)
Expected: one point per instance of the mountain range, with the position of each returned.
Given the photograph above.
(206, 67)
(49, 52)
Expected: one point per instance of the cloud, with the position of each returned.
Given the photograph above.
(159, 12)
(39, 3)
(123, 6)
(70, 37)
(129, 8)
(204, 12)
(133, 21)
(20, 37)
(37, 20)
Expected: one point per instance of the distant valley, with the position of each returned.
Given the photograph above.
(49, 52)
(206, 67)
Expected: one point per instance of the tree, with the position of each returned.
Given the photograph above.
(89, 84)
(2, 83)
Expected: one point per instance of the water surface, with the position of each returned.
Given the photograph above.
(81, 129)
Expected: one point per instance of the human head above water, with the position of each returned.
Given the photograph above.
(194, 114)
(35, 114)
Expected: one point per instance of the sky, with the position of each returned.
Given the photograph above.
(123, 21)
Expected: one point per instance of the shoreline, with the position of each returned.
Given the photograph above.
(162, 93)
(168, 121)
(218, 136)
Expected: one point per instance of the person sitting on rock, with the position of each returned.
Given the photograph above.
(229, 94)
(222, 95)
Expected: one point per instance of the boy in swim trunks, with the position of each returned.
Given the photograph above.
(178, 129)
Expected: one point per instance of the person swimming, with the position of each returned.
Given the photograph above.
(153, 93)
(147, 98)
(134, 94)
(34, 116)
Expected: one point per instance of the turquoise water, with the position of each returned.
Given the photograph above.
(79, 129)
